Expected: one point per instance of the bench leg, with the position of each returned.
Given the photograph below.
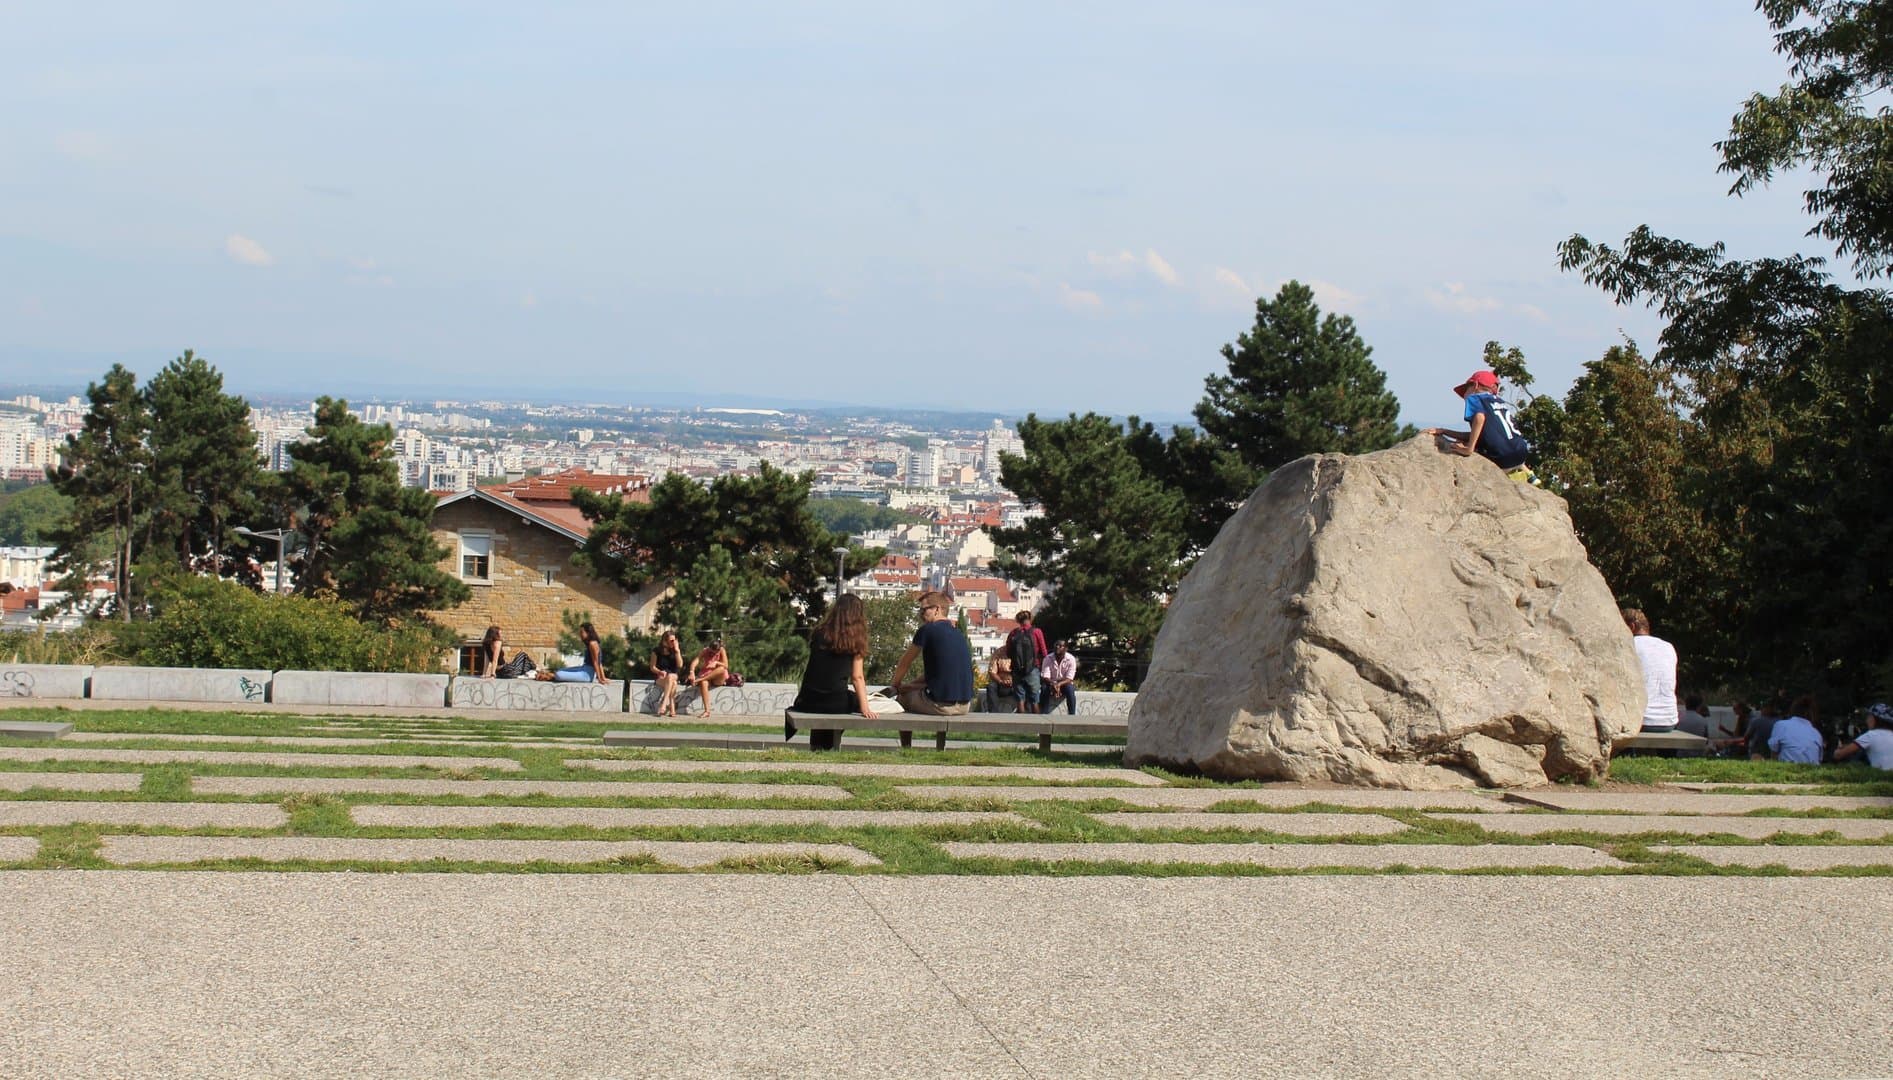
(906, 739)
(939, 740)
(1045, 743)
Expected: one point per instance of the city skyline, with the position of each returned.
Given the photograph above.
(845, 204)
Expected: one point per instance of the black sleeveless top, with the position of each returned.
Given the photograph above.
(666, 660)
(828, 684)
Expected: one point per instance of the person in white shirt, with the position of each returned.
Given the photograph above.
(1795, 737)
(1657, 658)
(1055, 676)
(1876, 742)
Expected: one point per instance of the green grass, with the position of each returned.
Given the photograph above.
(1846, 778)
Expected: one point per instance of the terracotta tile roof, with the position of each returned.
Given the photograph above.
(548, 499)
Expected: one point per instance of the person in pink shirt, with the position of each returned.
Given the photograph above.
(1055, 680)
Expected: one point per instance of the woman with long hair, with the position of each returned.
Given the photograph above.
(591, 669)
(667, 666)
(709, 670)
(492, 652)
(837, 653)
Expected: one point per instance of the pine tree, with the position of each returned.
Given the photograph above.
(1298, 383)
(367, 539)
(106, 474)
(205, 468)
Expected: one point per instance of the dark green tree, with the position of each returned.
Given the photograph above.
(366, 538)
(32, 517)
(743, 554)
(106, 474)
(1111, 540)
(1792, 374)
(205, 470)
(892, 621)
(1298, 383)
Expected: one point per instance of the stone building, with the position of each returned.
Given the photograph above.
(513, 546)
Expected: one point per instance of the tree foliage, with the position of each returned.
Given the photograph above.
(1298, 383)
(205, 470)
(367, 539)
(1789, 376)
(32, 517)
(206, 622)
(744, 556)
(106, 474)
(851, 517)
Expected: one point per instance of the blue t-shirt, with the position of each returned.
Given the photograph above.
(1499, 439)
(1794, 739)
(949, 662)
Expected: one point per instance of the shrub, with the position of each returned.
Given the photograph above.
(210, 623)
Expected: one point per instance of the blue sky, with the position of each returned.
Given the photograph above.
(1050, 207)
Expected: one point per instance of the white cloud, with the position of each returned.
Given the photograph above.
(1120, 264)
(1225, 278)
(1079, 299)
(1532, 312)
(1333, 298)
(1453, 297)
(85, 145)
(1156, 265)
(247, 251)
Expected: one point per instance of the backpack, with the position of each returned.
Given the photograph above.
(1022, 652)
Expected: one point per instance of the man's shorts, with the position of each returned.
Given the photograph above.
(1026, 686)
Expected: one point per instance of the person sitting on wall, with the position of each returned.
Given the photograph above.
(667, 667)
(837, 653)
(590, 669)
(1657, 658)
(492, 653)
(999, 683)
(709, 669)
(947, 689)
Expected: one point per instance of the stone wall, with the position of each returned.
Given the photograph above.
(517, 597)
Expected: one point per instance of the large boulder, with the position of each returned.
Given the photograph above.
(1408, 618)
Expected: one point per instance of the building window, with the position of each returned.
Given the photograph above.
(470, 660)
(476, 557)
(551, 576)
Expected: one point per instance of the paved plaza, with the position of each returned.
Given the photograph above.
(401, 975)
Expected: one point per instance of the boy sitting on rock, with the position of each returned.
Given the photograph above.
(1493, 434)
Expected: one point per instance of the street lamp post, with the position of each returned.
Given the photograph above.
(269, 534)
(841, 570)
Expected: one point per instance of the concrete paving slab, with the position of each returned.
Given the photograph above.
(1288, 824)
(134, 850)
(570, 789)
(185, 973)
(18, 848)
(1756, 828)
(431, 817)
(420, 739)
(72, 781)
(1198, 798)
(173, 815)
(750, 740)
(1794, 857)
(1300, 856)
(244, 757)
(27, 729)
(1069, 774)
(1637, 802)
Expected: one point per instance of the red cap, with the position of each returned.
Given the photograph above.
(1480, 380)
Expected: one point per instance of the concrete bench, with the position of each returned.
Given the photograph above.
(1044, 725)
(531, 695)
(23, 729)
(407, 691)
(1664, 744)
(179, 684)
(53, 681)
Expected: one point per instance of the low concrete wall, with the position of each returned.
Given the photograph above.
(52, 681)
(750, 699)
(403, 691)
(179, 684)
(534, 696)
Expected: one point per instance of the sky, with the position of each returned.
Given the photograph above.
(1011, 207)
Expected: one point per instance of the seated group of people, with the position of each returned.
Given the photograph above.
(709, 669)
(1792, 732)
(1023, 676)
